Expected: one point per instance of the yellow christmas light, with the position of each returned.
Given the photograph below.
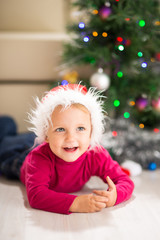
(104, 34)
(95, 34)
(132, 103)
(157, 23)
(141, 125)
(95, 11)
(71, 77)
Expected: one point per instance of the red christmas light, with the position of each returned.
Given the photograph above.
(157, 56)
(119, 39)
(128, 42)
(114, 134)
(156, 130)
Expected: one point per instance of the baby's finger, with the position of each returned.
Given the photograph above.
(100, 205)
(110, 183)
(101, 193)
(100, 199)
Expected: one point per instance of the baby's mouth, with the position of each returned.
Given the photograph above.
(70, 149)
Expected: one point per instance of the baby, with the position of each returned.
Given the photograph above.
(69, 123)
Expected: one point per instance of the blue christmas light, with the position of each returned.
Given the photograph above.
(81, 25)
(152, 166)
(144, 65)
(64, 82)
(86, 39)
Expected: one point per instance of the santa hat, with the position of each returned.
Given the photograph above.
(66, 95)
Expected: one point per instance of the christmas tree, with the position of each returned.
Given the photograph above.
(120, 40)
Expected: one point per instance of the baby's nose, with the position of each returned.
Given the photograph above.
(70, 136)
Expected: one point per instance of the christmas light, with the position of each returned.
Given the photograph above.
(81, 25)
(132, 103)
(86, 39)
(92, 61)
(121, 48)
(141, 125)
(152, 59)
(95, 11)
(157, 56)
(116, 103)
(126, 115)
(157, 23)
(119, 39)
(128, 42)
(152, 166)
(156, 130)
(120, 74)
(140, 54)
(141, 23)
(104, 34)
(144, 65)
(114, 134)
(95, 34)
(127, 19)
(107, 4)
(64, 82)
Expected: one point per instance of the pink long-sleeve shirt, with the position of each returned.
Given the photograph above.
(49, 180)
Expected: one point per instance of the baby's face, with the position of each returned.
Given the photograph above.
(69, 134)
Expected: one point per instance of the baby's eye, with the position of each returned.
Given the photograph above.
(80, 128)
(60, 130)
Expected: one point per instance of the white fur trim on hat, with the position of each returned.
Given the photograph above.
(66, 96)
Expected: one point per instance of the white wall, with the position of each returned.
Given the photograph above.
(29, 56)
(17, 99)
(31, 37)
(33, 15)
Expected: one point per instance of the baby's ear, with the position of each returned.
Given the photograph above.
(46, 139)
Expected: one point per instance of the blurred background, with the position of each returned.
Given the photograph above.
(31, 36)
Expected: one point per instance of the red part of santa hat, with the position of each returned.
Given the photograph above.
(70, 86)
(66, 87)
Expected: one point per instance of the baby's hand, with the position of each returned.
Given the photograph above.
(88, 203)
(111, 194)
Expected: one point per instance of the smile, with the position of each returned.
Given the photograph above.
(70, 149)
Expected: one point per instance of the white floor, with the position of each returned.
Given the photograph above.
(136, 219)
